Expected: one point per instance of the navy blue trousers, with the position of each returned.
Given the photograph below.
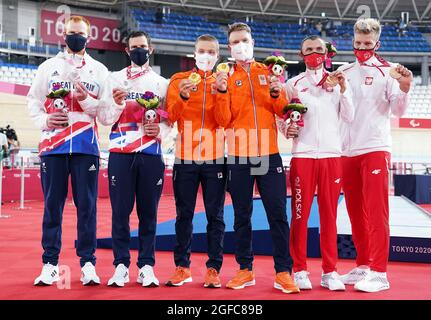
(186, 180)
(272, 189)
(140, 176)
(54, 174)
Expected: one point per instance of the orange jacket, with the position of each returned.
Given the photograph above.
(200, 137)
(247, 111)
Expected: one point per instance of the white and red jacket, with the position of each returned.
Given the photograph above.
(80, 136)
(127, 133)
(376, 95)
(327, 109)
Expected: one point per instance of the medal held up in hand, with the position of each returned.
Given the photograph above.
(195, 78)
(223, 67)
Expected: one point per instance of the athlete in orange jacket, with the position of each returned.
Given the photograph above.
(199, 160)
(247, 100)
(247, 111)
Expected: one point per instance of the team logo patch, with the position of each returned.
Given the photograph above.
(113, 181)
(279, 169)
(238, 83)
(220, 175)
(262, 80)
(369, 81)
(55, 73)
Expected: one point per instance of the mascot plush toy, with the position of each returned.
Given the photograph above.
(277, 65)
(60, 99)
(294, 111)
(150, 104)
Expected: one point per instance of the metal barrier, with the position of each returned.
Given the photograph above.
(22, 190)
(2, 216)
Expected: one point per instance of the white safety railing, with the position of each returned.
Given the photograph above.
(22, 189)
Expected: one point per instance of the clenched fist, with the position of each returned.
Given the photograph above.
(221, 81)
(57, 120)
(119, 95)
(151, 129)
(185, 87)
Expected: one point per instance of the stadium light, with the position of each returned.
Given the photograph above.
(339, 63)
(292, 62)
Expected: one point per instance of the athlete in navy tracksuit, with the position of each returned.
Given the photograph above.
(69, 147)
(136, 167)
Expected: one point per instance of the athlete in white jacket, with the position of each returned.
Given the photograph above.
(69, 146)
(316, 159)
(136, 167)
(379, 89)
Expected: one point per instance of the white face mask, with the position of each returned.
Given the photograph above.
(205, 61)
(242, 51)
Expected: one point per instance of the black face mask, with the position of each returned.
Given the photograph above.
(139, 56)
(76, 42)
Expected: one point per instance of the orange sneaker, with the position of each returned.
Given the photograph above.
(284, 282)
(182, 275)
(212, 279)
(243, 278)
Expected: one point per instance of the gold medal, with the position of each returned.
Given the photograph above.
(195, 78)
(223, 67)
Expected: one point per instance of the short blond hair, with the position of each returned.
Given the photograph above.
(207, 37)
(79, 19)
(238, 26)
(367, 26)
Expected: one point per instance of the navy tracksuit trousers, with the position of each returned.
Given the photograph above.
(186, 180)
(54, 174)
(272, 189)
(140, 176)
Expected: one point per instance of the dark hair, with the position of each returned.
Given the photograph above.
(310, 37)
(136, 34)
(9, 132)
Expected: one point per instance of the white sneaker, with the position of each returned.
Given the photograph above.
(48, 276)
(373, 282)
(120, 277)
(88, 275)
(355, 275)
(332, 281)
(302, 281)
(146, 277)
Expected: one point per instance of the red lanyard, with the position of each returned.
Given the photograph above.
(137, 75)
(71, 62)
(321, 82)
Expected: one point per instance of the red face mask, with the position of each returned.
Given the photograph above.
(364, 54)
(314, 59)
